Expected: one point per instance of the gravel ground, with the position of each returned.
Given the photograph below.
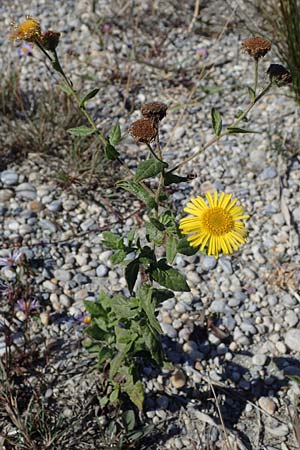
(252, 299)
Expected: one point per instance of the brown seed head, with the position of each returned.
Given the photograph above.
(256, 46)
(50, 40)
(279, 74)
(143, 130)
(29, 30)
(154, 110)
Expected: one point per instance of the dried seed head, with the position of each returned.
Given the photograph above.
(50, 40)
(143, 130)
(256, 46)
(154, 110)
(29, 30)
(279, 74)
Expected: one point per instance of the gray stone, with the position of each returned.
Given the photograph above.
(259, 359)
(226, 265)
(209, 262)
(5, 195)
(47, 225)
(26, 191)
(101, 271)
(268, 173)
(292, 339)
(9, 177)
(218, 306)
(169, 330)
(55, 206)
(291, 318)
(62, 275)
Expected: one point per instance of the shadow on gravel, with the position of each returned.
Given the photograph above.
(249, 387)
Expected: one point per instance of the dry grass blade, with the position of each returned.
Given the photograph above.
(295, 421)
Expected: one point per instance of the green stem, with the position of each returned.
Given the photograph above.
(227, 131)
(255, 75)
(153, 153)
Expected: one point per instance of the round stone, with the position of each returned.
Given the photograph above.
(178, 379)
(292, 339)
(9, 177)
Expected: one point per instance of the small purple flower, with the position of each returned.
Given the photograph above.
(13, 260)
(202, 53)
(106, 27)
(84, 318)
(27, 305)
(25, 49)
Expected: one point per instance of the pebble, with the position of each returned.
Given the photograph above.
(26, 191)
(178, 379)
(267, 404)
(9, 177)
(259, 359)
(268, 173)
(62, 275)
(292, 339)
(6, 195)
(209, 262)
(102, 271)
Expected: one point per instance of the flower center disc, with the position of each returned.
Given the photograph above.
(217, 221)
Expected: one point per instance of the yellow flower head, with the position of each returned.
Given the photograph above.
(216, 225)
(29, 30)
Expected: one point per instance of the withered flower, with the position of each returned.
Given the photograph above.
(279, 74)
(29, 30)
(155, 110)
(256, 46)
(50, 40)
(143, 130)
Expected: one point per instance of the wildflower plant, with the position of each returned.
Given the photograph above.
(123, 330)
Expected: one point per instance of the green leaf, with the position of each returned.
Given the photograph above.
(131, 273)
(81, 131)
(95, 332)
(157, 224)
(111, 153)
(170, 177)
(216, 121)
(168, 277)
(66, 89)
(114, 395)
(149, 169)
(115, 135)
(123, 308)
(129, 419)
(148, 305)
(139, 191)
(130, 236)
(171, 249)
(168, 220)
(116, 363)
(93, 308)
(251, 94)
(118, 256)
(184, 248)
(88, 96)
(136, 393)
(161, 295)
(112, 241)
(154, 234)
(147, 255)
(235, 130)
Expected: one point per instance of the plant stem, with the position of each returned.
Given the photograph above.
(255, 75)
(227, 131)
(153, 152)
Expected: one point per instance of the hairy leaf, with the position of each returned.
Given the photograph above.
(88, 96)
(139, 191)
(149, 168)
(115, 135)
(216, 120)
(81, 131)
(168, 277)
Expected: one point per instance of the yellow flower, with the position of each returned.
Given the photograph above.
(29, 30)
(216, 224)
